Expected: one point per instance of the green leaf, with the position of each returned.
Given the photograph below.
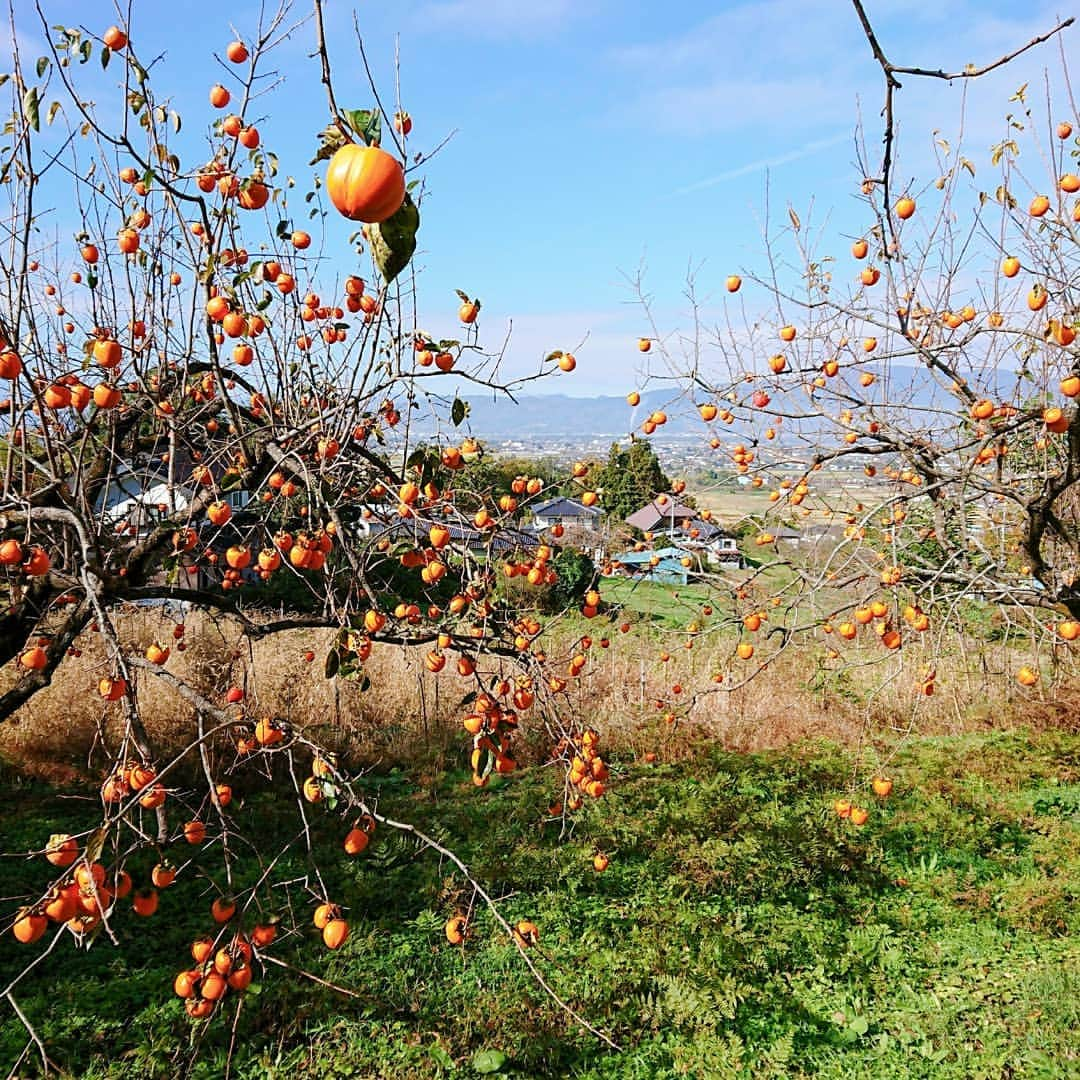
(31, 106)
(442, 1058)
(95, 843)
(106, 56)
(373, 131)
(358, 119)
(367, 123)
(42, 65)
(54, 108)
(488, 1061)
(333, 662)
(393, 241)
(487, 760)
(458, 411)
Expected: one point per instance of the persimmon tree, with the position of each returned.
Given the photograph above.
(912, 396)
(200, 397)
(204, 398)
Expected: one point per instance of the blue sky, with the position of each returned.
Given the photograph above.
(595, 137)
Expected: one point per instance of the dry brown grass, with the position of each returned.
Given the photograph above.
(66, 727)
(409, 716)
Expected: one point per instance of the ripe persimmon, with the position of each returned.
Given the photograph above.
(115, 39)
(223, 908)
(356, 841)
(163, 875)
(195, 832)
(263, 934)
(145, 902)
(526, 933)
(335, 933)
(1027, 677)
(29, 926)
(62, 849)
(365, 183)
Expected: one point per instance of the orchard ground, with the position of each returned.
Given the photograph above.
(741, 929)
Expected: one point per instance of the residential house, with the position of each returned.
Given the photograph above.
(565, 512)
(684, 526)
(667, 565)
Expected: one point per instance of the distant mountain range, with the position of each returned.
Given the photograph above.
(562, 416)
(566, 418)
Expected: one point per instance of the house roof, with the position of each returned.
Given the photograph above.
(636, 558)
(560, 507)
(654, 512)
(668, 563)
(653, 515)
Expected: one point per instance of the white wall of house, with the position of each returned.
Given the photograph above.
(545, 521)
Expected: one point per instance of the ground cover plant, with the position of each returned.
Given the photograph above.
(739, 929)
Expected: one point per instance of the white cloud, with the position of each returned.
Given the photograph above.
(31, 45)
(791, 68)
(806, 150)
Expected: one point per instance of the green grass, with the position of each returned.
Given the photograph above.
(668, 604)
(741, 930)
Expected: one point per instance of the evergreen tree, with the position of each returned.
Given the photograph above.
(631, 478)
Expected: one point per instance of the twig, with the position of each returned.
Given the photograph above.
(308, 975)
(45, 1060)
(446, 853)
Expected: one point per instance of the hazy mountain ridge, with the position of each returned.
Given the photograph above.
(565, 417)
